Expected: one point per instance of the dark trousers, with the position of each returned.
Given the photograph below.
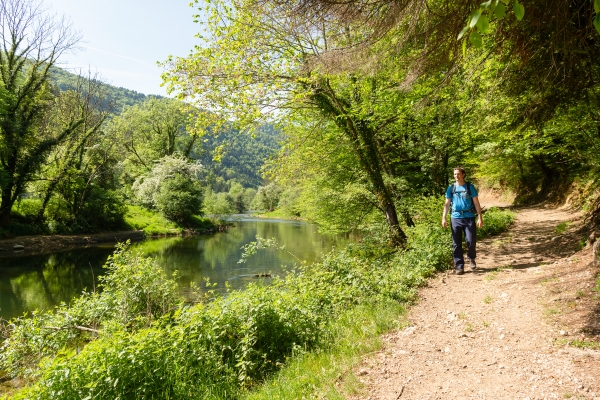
(460, 225)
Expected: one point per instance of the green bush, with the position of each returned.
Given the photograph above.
(103, 210)
(134, 292)
(179, 198)
(495, 221)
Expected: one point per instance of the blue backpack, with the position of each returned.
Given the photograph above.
(468, 189)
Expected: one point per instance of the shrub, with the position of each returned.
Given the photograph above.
(179, 198)
(171, 187)
(495, 221)
(134, 293)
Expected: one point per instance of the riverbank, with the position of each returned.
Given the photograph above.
(40, 244)
(145, 224)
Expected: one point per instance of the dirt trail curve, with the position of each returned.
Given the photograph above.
(499, 332)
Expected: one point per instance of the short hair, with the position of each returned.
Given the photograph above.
(461, 169)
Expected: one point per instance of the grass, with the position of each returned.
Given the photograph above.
(488, 299)
(561, 228)
(493, 274)
(486, 324)
(357, 332)
(584, 344)
(154, 224)
(551, 311)
(548, 280)
(502, 241)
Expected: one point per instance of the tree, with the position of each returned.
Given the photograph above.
(236, 194)
(151, 130)
(77, 163)
(259, 60)
(31, 43)
(267, 197)
(171, 187)
(217, 204)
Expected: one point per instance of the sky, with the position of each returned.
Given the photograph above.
(123, 40)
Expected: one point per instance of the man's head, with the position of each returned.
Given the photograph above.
(459, 174)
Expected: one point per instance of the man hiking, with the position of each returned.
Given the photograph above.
(462, 197)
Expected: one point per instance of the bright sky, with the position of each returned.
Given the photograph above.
(123, 39)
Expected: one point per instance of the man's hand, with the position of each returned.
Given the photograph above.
(445, 213)
(479, 212)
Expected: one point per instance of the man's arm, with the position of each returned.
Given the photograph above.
(445, 214)
(479, 213)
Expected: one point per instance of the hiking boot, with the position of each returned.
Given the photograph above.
(459, 271)
(472, 264)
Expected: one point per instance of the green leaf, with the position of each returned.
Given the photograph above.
(506, 1)
(597, 6)
(474, 17)
(462, 33)
(500, 11)
(597, 22)
(486, 4)
(519, 10)
(493, 8)
(475, 39)
(464, 48)
(483, 24)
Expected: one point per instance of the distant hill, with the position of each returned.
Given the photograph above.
(66, 80)
(242, 154)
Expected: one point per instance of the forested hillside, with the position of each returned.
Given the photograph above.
(119, 97)
(240, 156)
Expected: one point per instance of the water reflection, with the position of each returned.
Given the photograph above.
(39, 282)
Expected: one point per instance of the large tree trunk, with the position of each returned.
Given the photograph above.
(364, 144)
(7, 197)
(5, 209)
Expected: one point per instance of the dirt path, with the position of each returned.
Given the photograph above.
(499, 332)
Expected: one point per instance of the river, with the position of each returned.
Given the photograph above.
(40, 282)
